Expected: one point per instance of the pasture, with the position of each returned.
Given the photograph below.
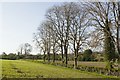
(88, 63)
(28, 69)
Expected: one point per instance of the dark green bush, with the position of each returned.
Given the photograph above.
(87, 55)
(80, 58)
(12, 56)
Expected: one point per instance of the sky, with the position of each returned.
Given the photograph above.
(19, 20)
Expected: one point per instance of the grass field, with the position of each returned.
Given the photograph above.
(91, 64)
(0, 68)
(27, 69)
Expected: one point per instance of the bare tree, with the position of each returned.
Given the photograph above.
(118, 30)
(61, 17)
(116, 20)
(78, 25)
(69, 23)
(54, 41)
(96, 39)
(40, 42)
(54, 15)
(45, 30)
(100, 16)
(20, 49)
(27, 48)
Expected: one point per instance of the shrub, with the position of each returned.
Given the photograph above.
(12, 56)
(87, 55)
(80, 58)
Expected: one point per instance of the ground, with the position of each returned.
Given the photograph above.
(88, 63)
(28, 69)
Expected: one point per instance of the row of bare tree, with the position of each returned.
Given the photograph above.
(75, 25)
(25, 48)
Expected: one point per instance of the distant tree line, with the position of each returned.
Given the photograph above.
(87, 55)
(72, 27)
(13, 56)
(23, 53)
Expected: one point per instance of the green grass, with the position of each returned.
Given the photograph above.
(0, 68)
(85, 63)
(28, 69)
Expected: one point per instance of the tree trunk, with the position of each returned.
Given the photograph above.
(118, 46)
(65, 52)
(25, 52)
(53, 56)
(109, 44)
(75, 57)
(75, 60)
(48, 57)
(118, 29)
(21, 50)
(62, 52)
(75, 63)
(44, 56)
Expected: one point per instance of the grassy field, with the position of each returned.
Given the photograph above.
(91, 64)
(0, 68)
(27, 69)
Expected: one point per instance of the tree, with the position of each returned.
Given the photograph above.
(12, 56)
(116, 25)
(43, 38)
(4, 55)
(54, 41)
(95, 41)
(100, 16)
(47, 27)
(20, 49)
(87, 55)
(40, 42)
(62, 18)
(78, 35)
(118, 30)
(26, 48)
(53, 15)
